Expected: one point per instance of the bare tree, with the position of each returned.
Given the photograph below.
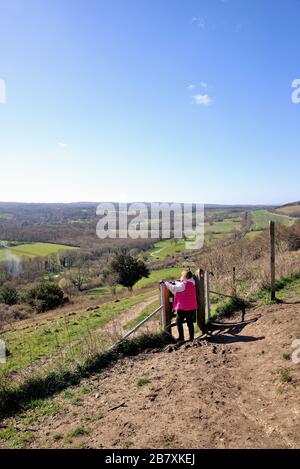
(78, 278)
(111, 279)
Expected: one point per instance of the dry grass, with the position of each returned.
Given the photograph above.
(251, 258)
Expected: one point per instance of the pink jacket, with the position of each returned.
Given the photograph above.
(186, 300)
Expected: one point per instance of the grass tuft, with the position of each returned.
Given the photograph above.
(285, 375)
(143, 381)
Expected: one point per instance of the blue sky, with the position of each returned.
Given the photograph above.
(182, 100)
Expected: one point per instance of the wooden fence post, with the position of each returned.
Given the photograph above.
(200, 290)
(207, 301)
(162, 301)
(272, 260)
(166, 314)
(233, 288)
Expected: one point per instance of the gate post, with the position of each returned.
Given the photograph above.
(200, 290)
(166, 309)
(207, 300)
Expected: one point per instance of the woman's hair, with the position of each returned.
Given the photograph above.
(187, 274)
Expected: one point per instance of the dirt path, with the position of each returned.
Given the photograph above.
(118, 325)
(222, 392)
(154, 254)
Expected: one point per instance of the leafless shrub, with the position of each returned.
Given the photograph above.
(9, 314)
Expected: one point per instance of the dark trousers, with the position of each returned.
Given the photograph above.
(190, 317)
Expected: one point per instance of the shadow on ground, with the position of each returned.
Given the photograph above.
(228, 333)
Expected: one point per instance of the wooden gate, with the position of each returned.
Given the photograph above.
(167, 304)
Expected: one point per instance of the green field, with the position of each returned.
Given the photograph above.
(5, 216)
(254, 234)
(261, 219)
(211, 237)
(167, 248)
(170, 273)
(213, 232)
(104, 291)
(225, 226)
(32, 250)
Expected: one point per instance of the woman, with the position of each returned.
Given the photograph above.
(185, 302)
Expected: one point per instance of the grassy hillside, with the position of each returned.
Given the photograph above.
(213, 231)
(292, 210)
(167, 248)
(221, 225)
(262, 218)
(37, 341)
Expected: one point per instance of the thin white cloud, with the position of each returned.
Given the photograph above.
(62, 145)
(202, 99)
(191, 87)
(200, 21)
(203, 84)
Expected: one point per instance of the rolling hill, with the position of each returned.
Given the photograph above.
(292, 209)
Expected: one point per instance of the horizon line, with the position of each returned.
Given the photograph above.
(239, 204)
